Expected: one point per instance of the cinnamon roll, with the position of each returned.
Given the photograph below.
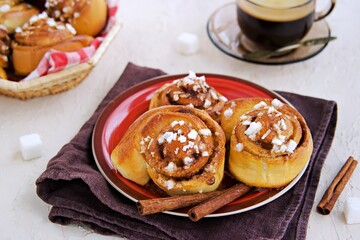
(190, 91)
(39, 35)
(86, 16)
(182, 149)
(270, 142)
(4, 48)
(13, 15)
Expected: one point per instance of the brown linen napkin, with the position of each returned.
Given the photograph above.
(75, 188)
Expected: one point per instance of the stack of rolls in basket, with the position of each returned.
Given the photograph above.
(30, 28)
(191, 134)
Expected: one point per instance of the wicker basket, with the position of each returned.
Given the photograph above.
(60, 81)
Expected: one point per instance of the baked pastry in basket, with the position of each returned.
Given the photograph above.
(190, 91)
(86, 16)
(270, 142)
(182, 149)
(40, 34)
(4, 48)
(14, 14)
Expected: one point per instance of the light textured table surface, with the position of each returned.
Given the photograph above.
(150, 28)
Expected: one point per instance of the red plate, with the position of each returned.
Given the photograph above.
(130, 104)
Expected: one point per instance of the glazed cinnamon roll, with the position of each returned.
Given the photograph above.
(5, 42)
(190, 91)
(182, 149)
(86, 16)
(13, 15)
(270, 142)
(40, 34)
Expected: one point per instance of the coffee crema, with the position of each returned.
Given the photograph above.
(277, 10)
(279, 4)
(275, 23)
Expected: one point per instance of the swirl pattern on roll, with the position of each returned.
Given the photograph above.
(40, 34)
(190, 91)
(42, 30)
(65, 10)
(270, 142)
(4, 48)
(183, 149)
(14, 14)
(86, 16)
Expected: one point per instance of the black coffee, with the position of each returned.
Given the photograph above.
(273, 33)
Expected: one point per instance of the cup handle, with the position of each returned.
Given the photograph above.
(322, 14)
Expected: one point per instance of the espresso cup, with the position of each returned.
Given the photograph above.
(271, 24)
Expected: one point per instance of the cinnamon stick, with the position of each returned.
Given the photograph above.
(336, 187)
(216, 202)
(156, 205)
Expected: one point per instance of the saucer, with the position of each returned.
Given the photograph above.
(225, 34)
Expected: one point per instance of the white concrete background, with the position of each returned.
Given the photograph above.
(147, 38)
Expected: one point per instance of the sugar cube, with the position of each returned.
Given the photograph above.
(352, 210)
(31, 146)
(187, 43)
